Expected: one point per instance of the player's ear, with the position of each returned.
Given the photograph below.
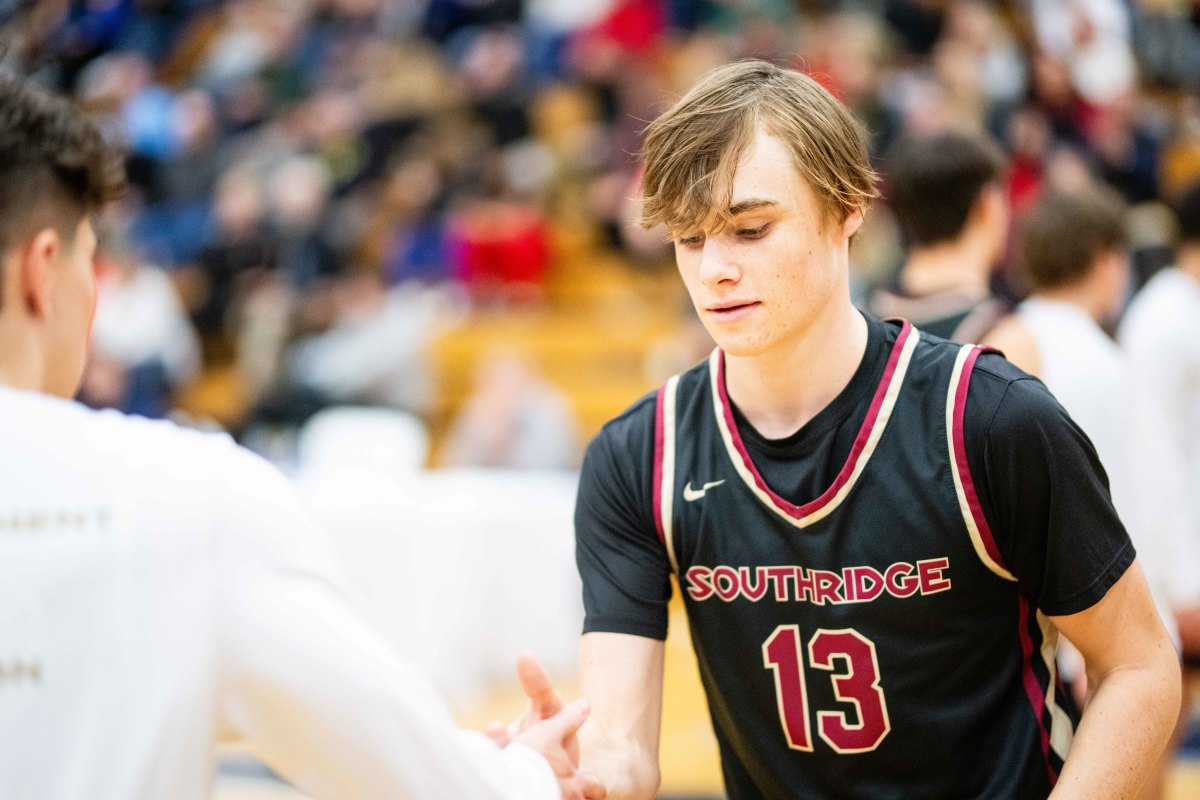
(35, 270)
(852, 223)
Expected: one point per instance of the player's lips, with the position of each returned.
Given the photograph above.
(732, 310)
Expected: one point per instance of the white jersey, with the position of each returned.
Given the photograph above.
(161, 591)
(1161, 334)
(1089, 375)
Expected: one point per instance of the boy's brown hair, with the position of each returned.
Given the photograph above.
(691, 152)
(55, 165)
(1065, 231)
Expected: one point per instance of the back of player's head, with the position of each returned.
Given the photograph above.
(933, 182)
(55, 166)
(1187, 212)
(1064, 233)
(691, 152)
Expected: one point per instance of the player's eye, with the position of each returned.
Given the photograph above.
(753, 233)
(694, 240)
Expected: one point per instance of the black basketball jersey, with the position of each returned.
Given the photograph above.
(870, 643)
(949, 314)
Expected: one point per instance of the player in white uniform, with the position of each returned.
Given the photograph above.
(1161, 334)
(1072, 251)
(161, 590)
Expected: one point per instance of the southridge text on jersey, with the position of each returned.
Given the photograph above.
(797, 584)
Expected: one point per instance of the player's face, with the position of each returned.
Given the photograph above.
(768, 280)
(70, 314)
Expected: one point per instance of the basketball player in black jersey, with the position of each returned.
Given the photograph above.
(945, 190)
(877, 533)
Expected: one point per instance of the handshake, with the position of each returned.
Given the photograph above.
(551, 729)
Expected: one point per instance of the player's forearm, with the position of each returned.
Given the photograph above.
(1127, 724)
(324, 700)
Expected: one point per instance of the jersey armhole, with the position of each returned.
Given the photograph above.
(964, 484)
(664, 467)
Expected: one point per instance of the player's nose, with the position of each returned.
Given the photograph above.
(717, 267)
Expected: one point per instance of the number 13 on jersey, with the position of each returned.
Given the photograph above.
(858, 685)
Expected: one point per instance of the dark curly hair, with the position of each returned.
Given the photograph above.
(55, 165)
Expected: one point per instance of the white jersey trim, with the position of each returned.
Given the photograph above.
(964, 487)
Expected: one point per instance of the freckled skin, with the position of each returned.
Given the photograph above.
(784, 256)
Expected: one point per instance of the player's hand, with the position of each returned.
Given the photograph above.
(544, 702)
(549, 737)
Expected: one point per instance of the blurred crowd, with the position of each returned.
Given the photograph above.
(319, 185)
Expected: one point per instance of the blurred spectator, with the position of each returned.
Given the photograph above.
(1167, 35)
(992, 53)
(1181, 160)
(500, 248)
(375, 349)
(513, 419)
(485, 146)
(187, 177)
(844, 52)
(237, 252)
(298, 192)
(1126, 149)
(1091, 39)
(144, 351)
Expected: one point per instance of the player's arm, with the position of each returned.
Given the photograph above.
(1048, 501)
(1133, 692)
(322, 698)
(622, 675)
(626, 588)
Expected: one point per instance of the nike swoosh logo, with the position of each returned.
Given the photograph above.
(691, 495)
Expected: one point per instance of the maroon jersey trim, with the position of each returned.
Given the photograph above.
(872, 428)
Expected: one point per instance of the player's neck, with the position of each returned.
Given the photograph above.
(21, 364)
(958, 266)
(780, 390)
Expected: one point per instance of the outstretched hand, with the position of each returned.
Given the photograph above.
(549, 727)
(544, 702)
(549, 737)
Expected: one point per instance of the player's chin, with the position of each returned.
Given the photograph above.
(739, 346)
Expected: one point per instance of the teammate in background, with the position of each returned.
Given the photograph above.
(945, 191)
(878, 533)
(1161, 335)
(161, 590)
(1072, 253)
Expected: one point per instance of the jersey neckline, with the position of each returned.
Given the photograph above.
(851, 401)
(878, 414)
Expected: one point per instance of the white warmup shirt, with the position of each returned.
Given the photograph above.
(1161, 335)
(161, 591)
(1088, 374)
